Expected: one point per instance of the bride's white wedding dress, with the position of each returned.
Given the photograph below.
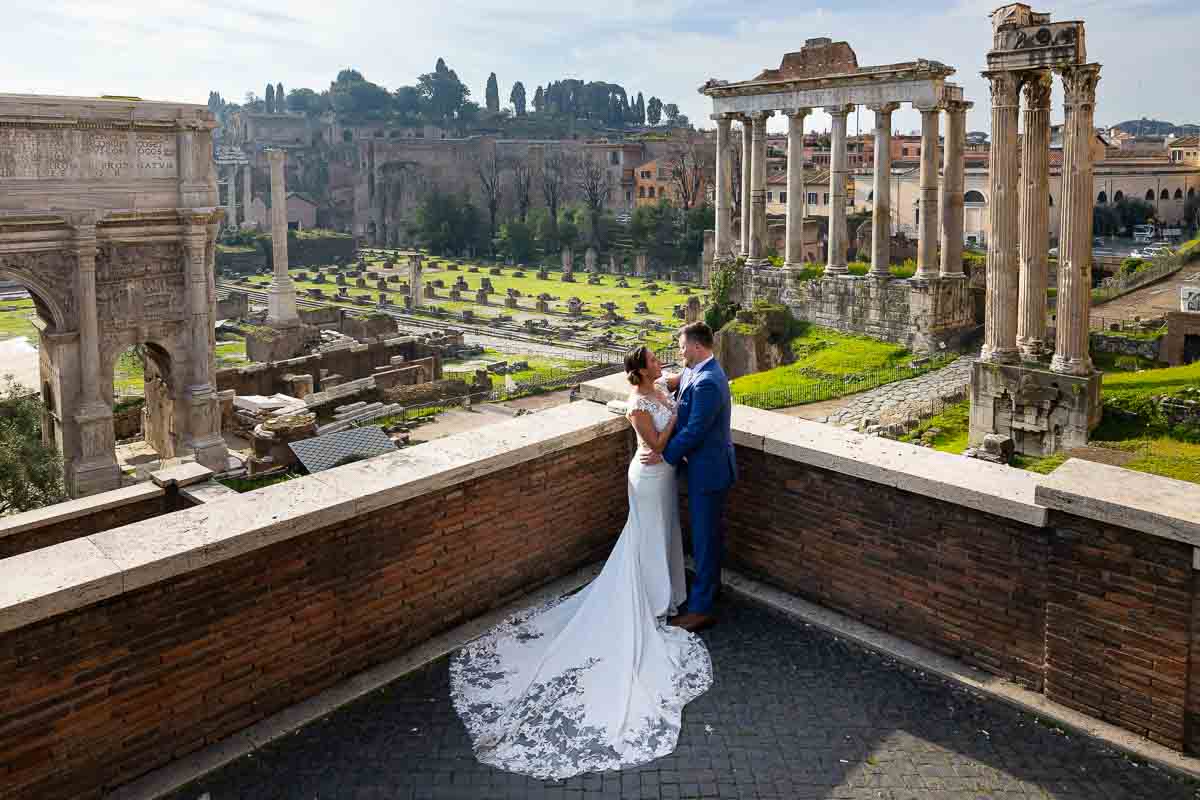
(597, 680)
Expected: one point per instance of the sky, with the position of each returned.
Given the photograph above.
(181, 49)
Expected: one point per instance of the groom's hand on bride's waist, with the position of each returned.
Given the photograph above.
(651, 457)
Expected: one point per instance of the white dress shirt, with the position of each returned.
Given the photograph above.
(686, 378)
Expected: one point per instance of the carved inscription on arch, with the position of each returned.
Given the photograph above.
(34, 154)
(137, 283)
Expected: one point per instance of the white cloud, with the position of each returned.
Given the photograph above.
(173, 49)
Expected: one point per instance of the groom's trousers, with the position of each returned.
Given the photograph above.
(706, 511)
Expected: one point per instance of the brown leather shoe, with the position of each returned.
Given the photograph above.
(693, 622)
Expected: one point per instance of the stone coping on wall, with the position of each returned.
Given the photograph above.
(67, 576)
(1148, 503)
(81, 507)
(991, 488)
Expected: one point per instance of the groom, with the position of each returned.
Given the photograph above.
(703, 444)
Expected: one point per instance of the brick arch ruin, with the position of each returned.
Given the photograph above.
(108, 218)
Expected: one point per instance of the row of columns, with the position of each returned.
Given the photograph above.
(947, 196)
(1017, 267)
(231, 190)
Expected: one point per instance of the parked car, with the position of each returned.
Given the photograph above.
(1143, 233)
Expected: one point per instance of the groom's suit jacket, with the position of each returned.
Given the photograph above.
(702, 431)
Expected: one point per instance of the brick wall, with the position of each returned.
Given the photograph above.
(955, 580)
(97, 696)
(1119, 626)
(105, 519)
(1100, 618)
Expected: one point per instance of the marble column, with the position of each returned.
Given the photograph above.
(797, 198)
(927, 231)
(1000, 315)
(416, 287)
(747, 158)
(758, 189)
(281, 295)
(246, 192)
(203, 437)
(881, 214)
(231, 190)
(1034, 224)
(724, 186)
(836, 262)
(95, 469)
(950, 198)
(1071, 353)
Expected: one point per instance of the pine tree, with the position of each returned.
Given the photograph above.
(517, 98)
(270, 99)
(641, 109)
(492, 95)
(280, 99)
(539, 100)
(654, 110)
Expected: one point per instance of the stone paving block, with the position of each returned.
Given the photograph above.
(794, 713)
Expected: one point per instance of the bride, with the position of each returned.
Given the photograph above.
(597, 680)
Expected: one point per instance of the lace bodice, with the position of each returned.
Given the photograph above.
(660, 412)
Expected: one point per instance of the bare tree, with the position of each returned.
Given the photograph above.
(558, 172)
(691, 168)
(490, 170)
(522, 182)
(596, 187)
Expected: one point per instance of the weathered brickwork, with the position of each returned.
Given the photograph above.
(958, 581)
(95, 697)
(66, 530)
(1100, 618)
(1119, 626)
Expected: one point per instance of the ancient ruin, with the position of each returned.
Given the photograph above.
(1044, 401)
(108, 217)
(924, 312)
(281, 295)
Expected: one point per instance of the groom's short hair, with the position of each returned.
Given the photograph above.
(699, 333)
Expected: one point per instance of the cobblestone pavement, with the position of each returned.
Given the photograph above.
(794, 713)
(903, 400)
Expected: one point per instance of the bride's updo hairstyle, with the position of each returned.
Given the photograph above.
(635, 362)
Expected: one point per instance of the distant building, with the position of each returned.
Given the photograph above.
(816, 186)
(654, 182)
(1184, 150)
(301, 211)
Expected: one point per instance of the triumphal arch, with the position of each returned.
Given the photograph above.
(108, 217)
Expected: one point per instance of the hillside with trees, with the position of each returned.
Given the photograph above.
(554, 110)
(1155, 127)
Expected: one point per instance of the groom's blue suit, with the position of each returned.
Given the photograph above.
(702, 438)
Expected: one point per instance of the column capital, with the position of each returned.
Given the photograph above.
(761, 116)
(276, 155)
(796, 112)
(1079, 84)
(930, 108)
(1005, 86)
(958, 106)
(883, 108)
(722, 118)
(839, 111)
(1036, 86)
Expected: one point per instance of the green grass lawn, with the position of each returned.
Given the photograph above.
(128, 374)
(828, 364)
(530, 286)
(951, 428)
(231, 353)
(16, 319)
(540, 367)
